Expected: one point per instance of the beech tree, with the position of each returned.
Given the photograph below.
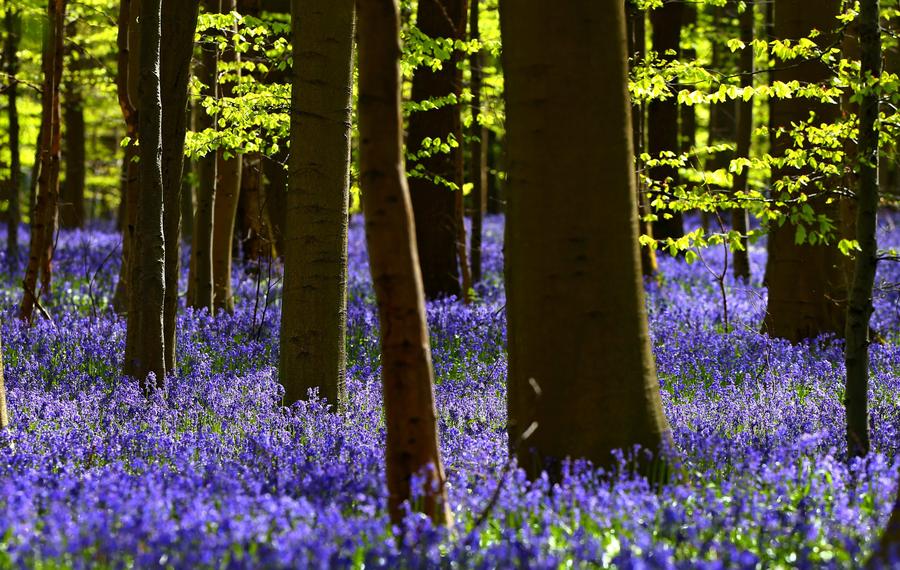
(4, 412)
(45, 214)
(409, 408)
(662, 115)
(806, 282)
(13, 23)
(145, 342)
(179, 22)
(739, 221)
(434, 182)
(580, 364)
(200, 276)
(859, 309)
(314, 314)
(71, 208)
(228, 187)
(477, 149)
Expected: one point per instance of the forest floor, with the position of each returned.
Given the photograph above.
(215, 473)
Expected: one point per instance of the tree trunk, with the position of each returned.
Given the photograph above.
(228, 188)
(45, 218)
(276, 196)
(200, 289)
(313, 328)
(410, 415)
(4, 412)
(860, 305)
(179, 21)
(806, 283)
(478, 167)
(145, 342)
(662, 116)
(636, 33)
(575, 298)
(739, 222)
(493, 150)
(256, 237)
(433, 195)
(13, 22)
(71, 208)
(128, 43)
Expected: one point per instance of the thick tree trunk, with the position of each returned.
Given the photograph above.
(807, 283)
(313, 324)
(200, 288)
(662, 116)
(739, 222)
(860, 306)
(410, 415)
(128, 43)
(145, 343)
(433, 199)
(228, 188)
(575, 298)
(636, 33)
(13, 22)
(477, 149)
(45, 218)
(179, 21)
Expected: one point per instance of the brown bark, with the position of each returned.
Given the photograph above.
(860, 308)
(144, 341)
(477, 149)
(13, 21)
(71, 207)
(807, 283)
(410, 415)
(636, 33)
(200, 276)
(179, 21)
(662, 116)
(739, 222)
(228, 187)
(45, 219)
(128, 43)
(434, 202)
(575, 298)
(313, 329)
(256, 228)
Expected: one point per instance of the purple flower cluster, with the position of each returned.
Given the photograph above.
(215, 473)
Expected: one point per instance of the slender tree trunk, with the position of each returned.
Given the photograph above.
(71, 210)
(433, 198)
(128, 44)
(807, 283)
(860, 306)
(410, 415)
(575, 298)
(4, 412)
(228, 187)
(494, 199)
(44, 220)
(276, 196)
(256, 237)
(200, 289)
(478, 168)
(13, 22)
(179, 22)
(662, 116)
(145, 342)
(313, 324)
(739, 222)
(636, 33)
